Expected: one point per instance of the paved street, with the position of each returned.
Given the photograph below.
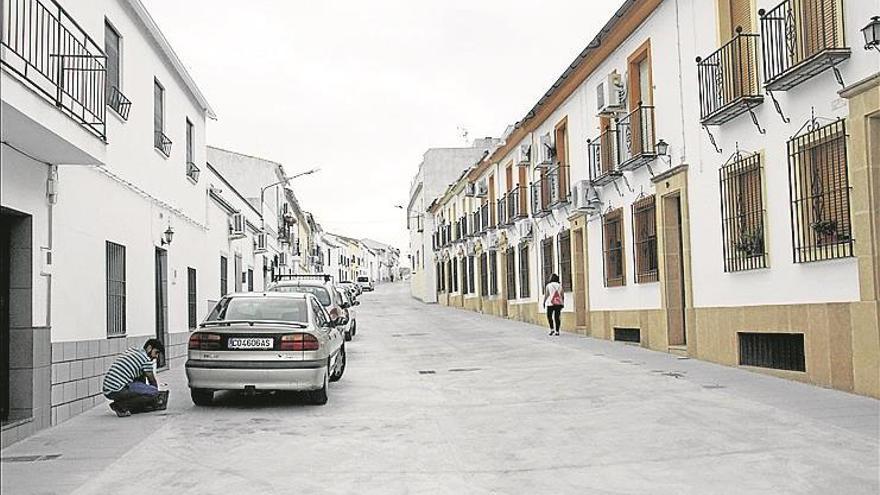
(438, 400)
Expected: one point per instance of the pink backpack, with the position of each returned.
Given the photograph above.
(556, 299)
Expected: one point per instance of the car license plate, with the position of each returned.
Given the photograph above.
(249, 343)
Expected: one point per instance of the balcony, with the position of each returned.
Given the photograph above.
(801, 38)
(728, 80)
(51, 53)
(192, 171)
(162, 143)
(557, 179)
(602, 157)
(501, 211)
(635, 132)
(484, 218)
(516, 204)
(118, 102)
(540, 197)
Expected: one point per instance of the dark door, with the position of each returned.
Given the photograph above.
(162, 301)
(674, 260)
(5, 234)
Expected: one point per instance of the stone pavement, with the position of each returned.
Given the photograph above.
(439, 400)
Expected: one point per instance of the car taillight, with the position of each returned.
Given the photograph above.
(204, 342)
(299, 342)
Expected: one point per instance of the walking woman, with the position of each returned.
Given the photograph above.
(554, 300)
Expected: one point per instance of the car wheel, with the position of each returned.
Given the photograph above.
(319, 397)
(347, 335)
(201, 396)
(340, 366)
(354, 328)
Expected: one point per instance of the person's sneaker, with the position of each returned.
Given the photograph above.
(122, 413)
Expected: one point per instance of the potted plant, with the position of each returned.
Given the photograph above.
(824, 227)
(750, 243)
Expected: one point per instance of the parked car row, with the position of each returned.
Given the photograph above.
(291, 337)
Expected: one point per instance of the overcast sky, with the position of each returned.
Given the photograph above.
(363, 88)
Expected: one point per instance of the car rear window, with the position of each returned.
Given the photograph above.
(320, 292)
(260, 309)
(363, 279)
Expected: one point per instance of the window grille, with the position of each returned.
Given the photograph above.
(493, 273)
(484, 274)
(454, 277)
(742, 214)
(191, 297)
(470, 275)
(612, 240)
(464, 276)
(224, 286)
(116, 308)
(546, 260)
(819, 191)
(511, 273)
(645, 240)
(565, 260)
(781, 351)
(524, 271)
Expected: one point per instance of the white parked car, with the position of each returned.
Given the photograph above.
(265, 341)
(365, 283)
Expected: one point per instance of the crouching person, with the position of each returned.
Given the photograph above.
(124, 382)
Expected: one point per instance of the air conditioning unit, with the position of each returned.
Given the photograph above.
(548, 151)
(237, 226)
(611, 95)
(525, 155)
(260, 243)
(585, 198)
(282, 259)
(492, 241)
(525, 230)
(470, 189)
(482, 189)
(470, 248)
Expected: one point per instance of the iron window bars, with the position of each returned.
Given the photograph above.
(742, 213)
(728, 79)
(193, 171)
(612, 242)
(511, 273)
(484, 274)
(162, 143)
(191, 299)
(470, 275)
(501, 211)
(781, 351)
(118, 102)
(44, 45)
(493, 273)
(558, 178)
(644, 225)
(516, 204)
(115, 273)
(224, 269)
(801, 38)
(602, 156)
(565, 260)
(636, 134)
(546, 260)
(540, 197)
(524, 271)
(484, 217)
(819, 192)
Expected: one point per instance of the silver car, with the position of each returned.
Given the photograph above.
(265, 341)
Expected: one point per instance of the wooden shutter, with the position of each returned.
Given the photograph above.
(740, 16)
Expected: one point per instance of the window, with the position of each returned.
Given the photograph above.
(464, 276)
(484, 274)
(612, 239)
(160, 141)
(224, 287)
(250, 280)
(470, 274)
(493, 273)
(742, 214)
(645, 240)
(565, 260)
(454, 276)
(192, 308)
(112, 50)
(524, 271)
(189, 142)
(511, 273)
(238, 273)
(819, 188)
(561, 142)
(115, 260)
(546, 260)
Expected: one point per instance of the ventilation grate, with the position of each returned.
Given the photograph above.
(627, 335)
(781, 351)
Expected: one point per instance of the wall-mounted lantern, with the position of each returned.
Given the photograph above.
(872, 34)
(167, 236)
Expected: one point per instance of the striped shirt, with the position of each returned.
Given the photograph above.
(128, 367)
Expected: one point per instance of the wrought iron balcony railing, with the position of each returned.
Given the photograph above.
(501, 211)
(558, 178)
(162, 143)
(517, 206)
(118, 102)
(728, 80)
(636, 134)
(801, 38)
(44, 46)
(484, 217)
(602, 157)
(193, 171)
(540, 197)
(474, 223)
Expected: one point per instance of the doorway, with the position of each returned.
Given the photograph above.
(162, 302)
(5, 237)
(674, 268)
(580, 288)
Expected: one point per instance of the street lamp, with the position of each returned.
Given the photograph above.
(282, 181)
(872, 34)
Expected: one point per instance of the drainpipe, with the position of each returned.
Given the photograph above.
(51, 199)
